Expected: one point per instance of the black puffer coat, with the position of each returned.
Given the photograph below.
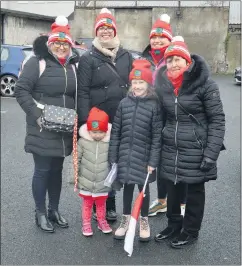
(98, 85)
(184, 143)
(136, 139)
(54, 87)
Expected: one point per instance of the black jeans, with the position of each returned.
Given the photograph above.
(162, 190)
(128, 198)
(47, 177)
(191, 223)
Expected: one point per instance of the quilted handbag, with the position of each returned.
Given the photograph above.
(56, 118)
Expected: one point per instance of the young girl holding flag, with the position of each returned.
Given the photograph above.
(135, 143)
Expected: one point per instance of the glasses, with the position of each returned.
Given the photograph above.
(65, 45)
(108, 29)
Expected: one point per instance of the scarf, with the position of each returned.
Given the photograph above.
(158, 54)
(62, 60)
(108, 48)
(176, 79)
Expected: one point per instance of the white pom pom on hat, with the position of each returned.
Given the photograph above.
(105, 10)
(177, 39)
(165, 18)
(61, 21)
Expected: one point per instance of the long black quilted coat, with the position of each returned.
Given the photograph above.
(136, 138)
(99, 85)
(56, 86)
(184, 143)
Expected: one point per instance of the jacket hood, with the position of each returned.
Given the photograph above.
(196, 75)
(146, 53)
(40, 49)
(83, 133)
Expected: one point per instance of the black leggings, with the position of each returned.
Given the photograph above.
(128, 198)
(47, 177)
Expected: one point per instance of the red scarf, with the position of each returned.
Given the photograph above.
(158, 54)
(62, 60)
(176, 79)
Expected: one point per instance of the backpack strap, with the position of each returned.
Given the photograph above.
(42, 67)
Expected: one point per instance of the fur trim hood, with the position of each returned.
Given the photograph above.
(83, 133)
(40, 50)
(196, 75)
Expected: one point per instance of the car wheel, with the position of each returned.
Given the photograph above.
(7, 83)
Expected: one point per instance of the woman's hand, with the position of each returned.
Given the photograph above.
(207, 164)
(150, 169)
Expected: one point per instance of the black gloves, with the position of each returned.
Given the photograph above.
(207, 164)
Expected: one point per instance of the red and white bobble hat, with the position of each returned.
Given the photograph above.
(60, 31)
(105, 18)
(162, 27)
(179, 48)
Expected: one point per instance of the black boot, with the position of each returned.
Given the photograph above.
(111, 214)
(55, 217)
(167, 233)
(183, 240)
(43, 223)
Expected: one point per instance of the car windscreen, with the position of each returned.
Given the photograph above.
(27, 52)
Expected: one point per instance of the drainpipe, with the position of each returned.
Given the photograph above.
(2, 29)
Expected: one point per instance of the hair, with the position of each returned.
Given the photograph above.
(150, 91)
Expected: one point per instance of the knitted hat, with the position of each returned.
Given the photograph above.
(141, 70)
(179, 48)
(105, 18)
(162, 27)
(97, 120)
(60, 31)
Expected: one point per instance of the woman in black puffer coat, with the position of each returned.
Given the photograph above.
(191, 143)
(103, 79)
(135, 143)
(55, 57)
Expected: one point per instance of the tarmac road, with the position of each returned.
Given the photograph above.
(22, 243)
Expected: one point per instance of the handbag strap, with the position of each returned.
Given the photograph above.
(113, 69)
(191, 116)
(108, 64)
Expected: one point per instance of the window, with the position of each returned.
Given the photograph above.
(27, 52)
(4, 54)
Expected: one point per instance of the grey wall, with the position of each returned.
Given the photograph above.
(203, 28)
(20, 31)
(233, 48)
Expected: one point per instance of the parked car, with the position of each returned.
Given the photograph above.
(237, 75)
(11, 58)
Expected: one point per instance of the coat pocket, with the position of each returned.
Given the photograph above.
(198, 140)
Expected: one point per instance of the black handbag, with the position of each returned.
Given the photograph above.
(194, 120)
(56, 118)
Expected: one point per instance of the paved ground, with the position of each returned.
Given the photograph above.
(23, 244)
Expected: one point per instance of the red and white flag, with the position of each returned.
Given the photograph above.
(129, 238)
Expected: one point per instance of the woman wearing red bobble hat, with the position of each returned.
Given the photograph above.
(103, 78)
(136, 142)
(49, 78)
(160, 38)
(192, 137)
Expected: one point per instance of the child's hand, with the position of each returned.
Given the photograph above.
(150, 169)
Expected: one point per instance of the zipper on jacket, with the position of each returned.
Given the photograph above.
(176, 141)
(64, 100)
(132, 133)
(95, 170)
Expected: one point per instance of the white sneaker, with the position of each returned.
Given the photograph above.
(183, 209)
